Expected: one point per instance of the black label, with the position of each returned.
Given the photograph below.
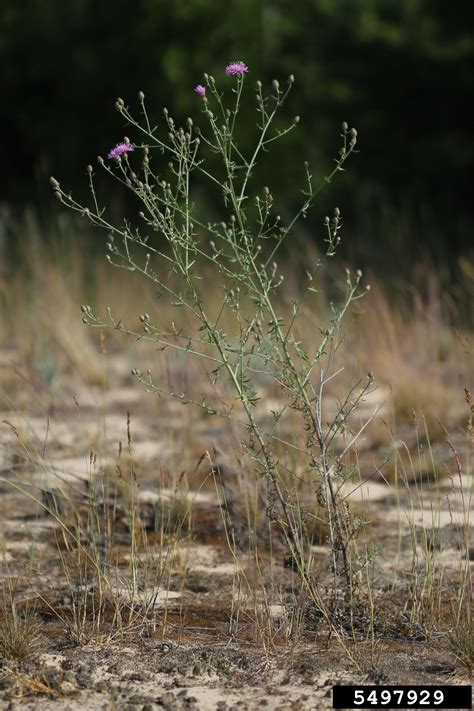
(402, 697)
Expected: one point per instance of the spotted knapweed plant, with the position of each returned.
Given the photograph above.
(248, 336)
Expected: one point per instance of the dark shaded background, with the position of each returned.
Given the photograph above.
(398, 70)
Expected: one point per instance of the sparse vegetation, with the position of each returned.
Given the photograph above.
(213, 569)
(130, 522)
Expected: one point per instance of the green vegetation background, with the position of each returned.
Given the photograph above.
(400, 71)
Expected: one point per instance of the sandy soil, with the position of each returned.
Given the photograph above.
(209, 626)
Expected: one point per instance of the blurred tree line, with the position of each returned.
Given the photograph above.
(400, 71)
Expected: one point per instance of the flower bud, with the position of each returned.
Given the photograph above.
(345, 126)
(337, 212)
(354, 133)
(141, 96)
(119, 103)
(291, 78)
(276, 84)
(54, 182)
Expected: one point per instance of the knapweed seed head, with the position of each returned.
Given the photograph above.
(200, 90)
(236, 68)
(119, 150)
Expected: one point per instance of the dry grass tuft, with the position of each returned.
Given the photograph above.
(20, 628)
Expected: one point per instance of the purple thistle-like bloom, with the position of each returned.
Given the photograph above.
(238, 68)
(200, 89)
(119, 149)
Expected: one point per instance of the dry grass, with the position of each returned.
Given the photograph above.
(128, 533)
(20, 629)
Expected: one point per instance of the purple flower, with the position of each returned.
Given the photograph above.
(200, 89)
(119, 149)
(238, 68)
